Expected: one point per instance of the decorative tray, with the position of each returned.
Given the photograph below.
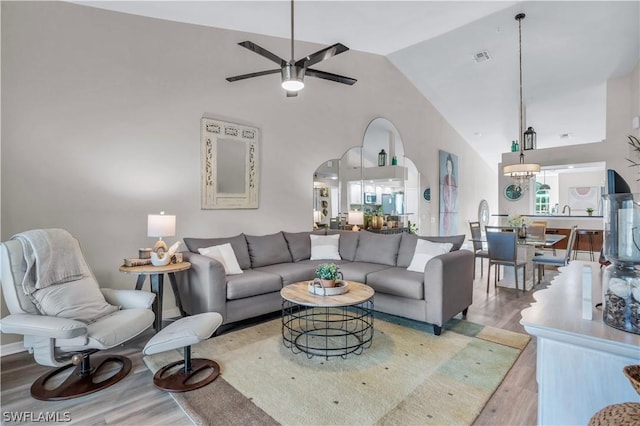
(315, 287)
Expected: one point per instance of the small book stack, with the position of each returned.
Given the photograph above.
(136, 262)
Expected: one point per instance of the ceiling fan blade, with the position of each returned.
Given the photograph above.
(329, 76)
(263, 52)
(292, 94)
(253, 74)
(321, 55)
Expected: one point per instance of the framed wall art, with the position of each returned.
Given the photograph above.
(448, 193)
(229, 165)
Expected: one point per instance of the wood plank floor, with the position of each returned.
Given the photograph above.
(135, 401)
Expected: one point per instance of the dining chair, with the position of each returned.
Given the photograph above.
(503, 250)
(539, 262)
(537, 232)
(479, 250)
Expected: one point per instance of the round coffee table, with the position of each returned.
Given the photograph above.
(327, 326)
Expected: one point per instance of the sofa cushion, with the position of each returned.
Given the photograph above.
(397, 282)
(358, 271)
(268, 249)
(294, 272)
(348, 243)
(408, 246)
(252, 283)
(238, 243)
(425, 251)
(378, 248)
(325, 247)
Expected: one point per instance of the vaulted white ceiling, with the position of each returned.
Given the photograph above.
(569, 48)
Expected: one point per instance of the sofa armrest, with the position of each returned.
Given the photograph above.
(203, 288)
(448, 285)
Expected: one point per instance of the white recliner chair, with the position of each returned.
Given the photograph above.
(55, 337)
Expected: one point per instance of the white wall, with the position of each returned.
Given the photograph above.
(101, 118)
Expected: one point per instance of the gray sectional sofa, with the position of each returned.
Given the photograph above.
(270, 262)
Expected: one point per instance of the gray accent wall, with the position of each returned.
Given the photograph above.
(100, 127)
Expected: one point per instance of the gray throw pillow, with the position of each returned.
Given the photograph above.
(268, 249)
(238, 243)
(299, 245)
(348, 243)
(378, 248)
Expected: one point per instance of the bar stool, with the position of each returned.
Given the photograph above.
(588, 234)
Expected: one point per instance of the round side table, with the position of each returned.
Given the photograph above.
(156, 275)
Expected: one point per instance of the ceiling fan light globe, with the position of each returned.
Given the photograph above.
(292, 78)
(292, 85)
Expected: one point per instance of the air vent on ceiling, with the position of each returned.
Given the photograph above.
(482, 56)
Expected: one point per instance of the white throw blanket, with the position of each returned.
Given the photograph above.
(53, 256)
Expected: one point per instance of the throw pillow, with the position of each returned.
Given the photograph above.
(325, 247)
(80, 300)
(224, 254)
(425, 251)
(266, 250)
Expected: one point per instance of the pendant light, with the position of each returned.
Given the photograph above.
(521, 172)
(545, 186)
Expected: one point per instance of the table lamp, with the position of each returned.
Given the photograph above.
(356, 218)
(161, 225)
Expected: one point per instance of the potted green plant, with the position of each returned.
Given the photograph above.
(328, 273)
(589, 211)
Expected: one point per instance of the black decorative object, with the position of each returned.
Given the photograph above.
(382, 158)
(529, 139)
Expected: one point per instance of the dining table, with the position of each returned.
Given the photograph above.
(526, 252)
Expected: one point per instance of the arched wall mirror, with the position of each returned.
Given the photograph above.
(373, 186)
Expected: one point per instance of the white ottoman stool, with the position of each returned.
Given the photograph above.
(182, 334)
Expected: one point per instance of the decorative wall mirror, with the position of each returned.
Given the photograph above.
(229, 165)
(362, 185)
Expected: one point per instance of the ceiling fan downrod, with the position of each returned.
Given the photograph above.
(292, 75)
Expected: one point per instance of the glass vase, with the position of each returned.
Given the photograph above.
(621, 297)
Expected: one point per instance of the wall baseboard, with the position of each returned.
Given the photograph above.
(12, 348)
(17, 347)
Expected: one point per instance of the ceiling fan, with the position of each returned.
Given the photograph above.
(293, 72)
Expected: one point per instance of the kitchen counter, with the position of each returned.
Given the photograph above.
(553, 216)
(579, 358)
(561, 221)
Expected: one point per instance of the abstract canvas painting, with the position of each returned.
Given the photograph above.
(448, 193)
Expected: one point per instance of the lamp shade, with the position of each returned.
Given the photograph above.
(521, 169)
(161, 225)
(317, 216)
(356, 218)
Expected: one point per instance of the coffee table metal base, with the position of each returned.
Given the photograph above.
(327, 331)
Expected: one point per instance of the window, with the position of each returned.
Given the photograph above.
(542, 199)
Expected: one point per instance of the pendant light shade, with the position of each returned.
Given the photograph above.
(522, 172)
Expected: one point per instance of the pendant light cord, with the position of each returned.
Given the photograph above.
(519, 18)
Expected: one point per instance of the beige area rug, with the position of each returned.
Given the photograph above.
(408, 376)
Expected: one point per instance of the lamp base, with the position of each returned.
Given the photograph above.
(160, 247)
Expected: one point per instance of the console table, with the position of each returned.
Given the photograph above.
(579, 361)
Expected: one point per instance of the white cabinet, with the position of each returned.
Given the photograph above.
(579, 362)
